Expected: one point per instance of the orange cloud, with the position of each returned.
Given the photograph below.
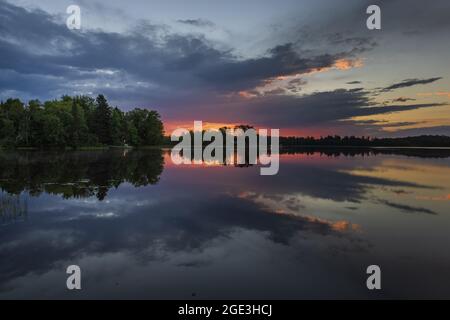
(447, 94)
(340, 64)
(268, 85)
(346, 64)
(247, 94)
(345, 226)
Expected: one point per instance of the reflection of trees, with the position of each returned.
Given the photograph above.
(237, 157)
(366, 151)
(78, 174)
(12, 207)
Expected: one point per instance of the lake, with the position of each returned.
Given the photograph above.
(141, 227)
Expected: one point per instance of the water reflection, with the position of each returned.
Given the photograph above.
(78, 174)
(12, 208)
(141, 227)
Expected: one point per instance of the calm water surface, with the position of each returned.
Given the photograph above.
(141, 227)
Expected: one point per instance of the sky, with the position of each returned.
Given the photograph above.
(304, 67)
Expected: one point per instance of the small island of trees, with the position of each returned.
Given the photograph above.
(76, 122)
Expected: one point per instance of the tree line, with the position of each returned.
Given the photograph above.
(82, 121)
(345, 141)
(76, 122)
(417, 141)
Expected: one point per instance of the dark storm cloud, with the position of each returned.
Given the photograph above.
(398, 17)
(410, 82)
(402, 99)
(406, 208)
(32, 84)
(415, 16)
(354, 82)
(401, 124)
(182, 76)
(33, 43)
(197, 22)
(282, 60)
(317, 108)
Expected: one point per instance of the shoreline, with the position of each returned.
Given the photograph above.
(97, 148)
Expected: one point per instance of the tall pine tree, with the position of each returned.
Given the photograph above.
(103, 120)
(79, 129)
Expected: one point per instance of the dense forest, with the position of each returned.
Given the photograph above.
(76, 122)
